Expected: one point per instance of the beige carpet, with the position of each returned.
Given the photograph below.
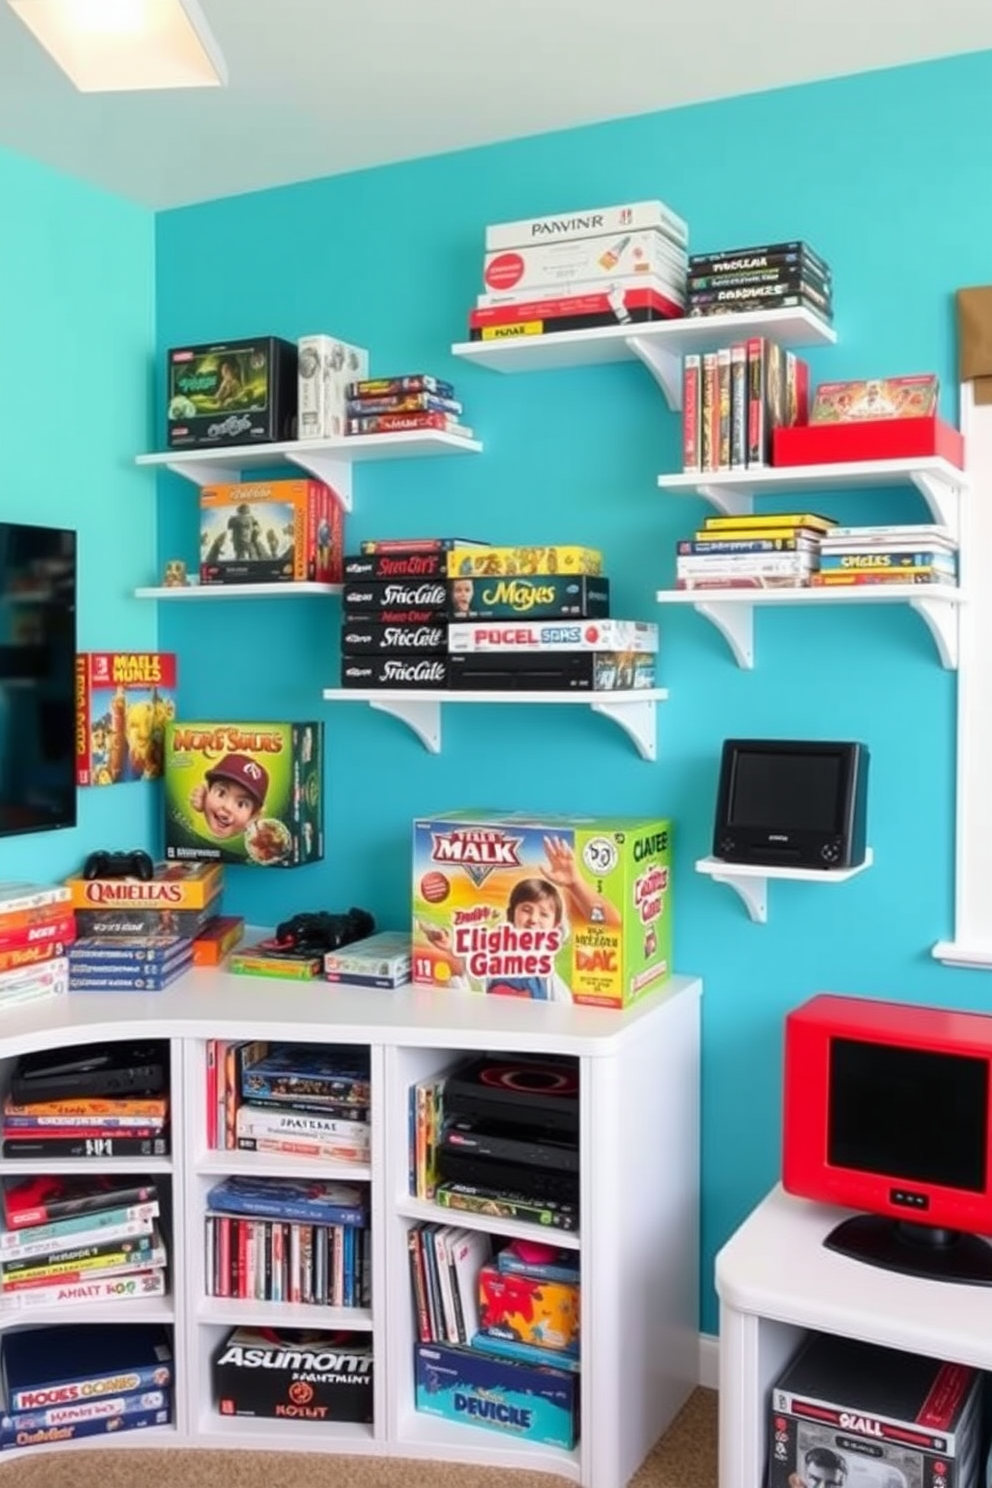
(684, 1458)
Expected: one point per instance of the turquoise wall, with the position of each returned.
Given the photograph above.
(76, 330)
(890, 177)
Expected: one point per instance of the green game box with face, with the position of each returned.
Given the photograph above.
(233, 392)
(249, 793)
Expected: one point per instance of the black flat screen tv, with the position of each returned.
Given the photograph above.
(37, 678)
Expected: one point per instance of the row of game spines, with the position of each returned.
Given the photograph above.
(267, 1260)
(733, 398)
(341, 1100)
(97, 1262)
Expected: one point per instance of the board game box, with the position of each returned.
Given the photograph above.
(231, 392)
(559, 908)
(294, 1374)
(124, 699)
(179, 888)
(523, 1401)
(248, 793)
(265, 532)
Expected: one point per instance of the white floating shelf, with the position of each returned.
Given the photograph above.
(634, 712)
(659, 344)
(329, 460)
(963, 953)
(732, 610)
(236, 591)
(750, 880)
(733, 491)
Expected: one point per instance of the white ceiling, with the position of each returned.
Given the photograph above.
(322, 86)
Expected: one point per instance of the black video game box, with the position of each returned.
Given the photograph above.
(294, 1374)
(517, 1090)
(231, 392)
(371, 639)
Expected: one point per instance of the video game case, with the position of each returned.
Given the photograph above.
(50, 1197)
(404, 403)
(396, 423)
(404, 594)
(766, 397)
(397, 617)
(709, 444)
(738, 406)
(390, 387)
(798, 271)
(723, 394)
(401, 545)
(153, 950)
(13, 1436)
(524, 636)
(735, 306)
(126, 922)
(395, 671)
(74, 1146)
(766, 294)
(477, 1200)
(530, 596)
(653, 308)
(398, 565)
(567, 671)
(692, 405)
(372, 639)
(730, 259)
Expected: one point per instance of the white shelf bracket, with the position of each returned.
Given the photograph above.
(206, 472)
(941, 618)
(735, 622)
(422, 715)
(664, 365)
(324, 467)
(753, 891)
(637, 718)
(942, 497)
(726, 500)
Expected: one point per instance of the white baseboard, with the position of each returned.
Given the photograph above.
(709, 1361)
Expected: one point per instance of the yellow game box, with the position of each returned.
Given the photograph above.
(173, 886)
(559, 559)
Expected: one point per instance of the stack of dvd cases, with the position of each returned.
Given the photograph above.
(412, 402)
(767, 277)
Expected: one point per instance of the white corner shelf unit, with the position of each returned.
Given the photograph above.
(237, 591)
(732, 610)
(659, 344)
(328, 460)
(634, 712)
(638, 1069)
(777, 1282)
(733, 492)
(750, 880)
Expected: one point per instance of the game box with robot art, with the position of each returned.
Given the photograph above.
(560, 909)
(249, 793)
(265, 532)
(124, 699)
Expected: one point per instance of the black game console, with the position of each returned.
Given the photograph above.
(544, 1184)
(133, 864)
(91, 1070)
(541, 1094)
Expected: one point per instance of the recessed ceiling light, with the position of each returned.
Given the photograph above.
(113, 46)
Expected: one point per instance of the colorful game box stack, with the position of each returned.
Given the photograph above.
(497, 642)
(271, 532)
(37, 927)
(776, 550)
(769, 276)
(607, 266)
(923, 553)
(289, 1240)
(124, 699)
(139, 934)
(734, 399)
(78, 1240)
(306, 1100)
(394, 405)
(122, 1380)
(395, 606)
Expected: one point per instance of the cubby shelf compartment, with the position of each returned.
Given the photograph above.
(237, 591)
(329, 460)
(659, 344)
(634, 712)
(750, 880)
(732, 610)
(732, 492)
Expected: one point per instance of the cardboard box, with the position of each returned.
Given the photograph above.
(327, 367)
(557, 266)
(292, 1374)
(523, 1309)
(868, 439)
(249, 793)
(561, 558)
(590, 222)
(261, 532)
(558, 908)
(173, 887)
(216, 938)
(123, 701)
(523, 1401)
(231, 392)
(380, 960)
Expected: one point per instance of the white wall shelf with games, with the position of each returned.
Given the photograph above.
(237, 591)
(328, 460)
(732, 610)
(659, 344)
(633, 712)
(750, 880)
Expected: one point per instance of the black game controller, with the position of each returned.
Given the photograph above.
(133, 864)
(312, 934)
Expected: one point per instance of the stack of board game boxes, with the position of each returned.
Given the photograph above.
(283, 1374)
(271, 532)
(768, 276)
(734, 398)
(777, 550)
(63, 1383)
(135, 934)
(37, 928)
(607, 266)
(75, 1240)
(449, 613)
(412, 402)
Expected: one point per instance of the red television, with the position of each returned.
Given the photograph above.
(887, 1111)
